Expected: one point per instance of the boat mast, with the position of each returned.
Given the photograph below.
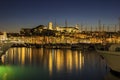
(81, 27)
(107, 28)
(103, 27)
(119, 24)
(91, 28)
(115, 28)
(55, 23)
(99, 25)
(66, 25)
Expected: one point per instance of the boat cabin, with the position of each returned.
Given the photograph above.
(115, 47)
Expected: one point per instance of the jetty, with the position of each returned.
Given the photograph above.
(4, 47)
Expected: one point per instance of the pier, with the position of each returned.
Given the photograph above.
(4, 47)
(80, 46)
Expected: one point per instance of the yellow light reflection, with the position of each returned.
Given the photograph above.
(69, 60)
(76, 60)
(50, 63)
(81, 57)
(12, 54)
(30, 55)
(23, 56)
(3, 59)
(19, 52)
(62, 60)
(41, 53)
(59, 60)
(58, 64)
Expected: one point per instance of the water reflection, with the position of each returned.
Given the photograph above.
(58, 59)
(112, 76)
(58, 62)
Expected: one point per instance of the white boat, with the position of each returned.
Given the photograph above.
(112, 76)
(112, 57)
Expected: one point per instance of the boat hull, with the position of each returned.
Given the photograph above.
(112, 59)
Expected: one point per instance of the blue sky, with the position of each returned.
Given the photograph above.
(16, 14)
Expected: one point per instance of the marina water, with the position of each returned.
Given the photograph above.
(21, 63)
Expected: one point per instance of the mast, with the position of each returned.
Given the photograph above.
(107, 28)
(99, 25)
(55, 22)
(115, 28)
(66, 25)
(81, 27)
(103, 27)
(91, 28)
(86, 29)
(96, 28)
(119, 23)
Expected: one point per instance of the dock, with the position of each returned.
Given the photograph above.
(80, 46)
(4, 47)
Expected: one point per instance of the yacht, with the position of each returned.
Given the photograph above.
(112, 56)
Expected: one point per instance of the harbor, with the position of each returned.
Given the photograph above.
(49, 64)
(54, 63)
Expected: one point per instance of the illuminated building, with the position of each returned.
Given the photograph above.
(3, 36)
(67, 29)
(50, 25)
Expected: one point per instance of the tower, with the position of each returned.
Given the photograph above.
(50, 25)
(76, 26)
(4, 35)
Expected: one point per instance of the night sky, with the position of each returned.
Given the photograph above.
(16, 14)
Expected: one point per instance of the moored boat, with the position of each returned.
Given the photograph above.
(112, 56)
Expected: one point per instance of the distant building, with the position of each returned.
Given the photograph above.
(25, 31)
(3, 36)
(67, 29)
(39, 28)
